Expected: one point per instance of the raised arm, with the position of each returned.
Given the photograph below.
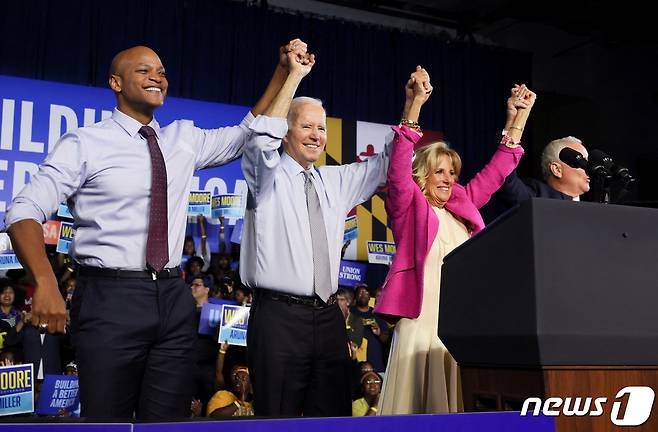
(400, 182)
(509, 152)
(222, 145)
(279, 77)
(261, 157)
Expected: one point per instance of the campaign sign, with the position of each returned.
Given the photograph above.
(211, 314)
(228, 206)
(63, 211)
(58, 392)
(351, 230)
(51, 231)
(352, 273)
(199, 204)
(381, 252)
(236, 235)
(233, 325)
(16, 389)
(66, 233)
(8, 258)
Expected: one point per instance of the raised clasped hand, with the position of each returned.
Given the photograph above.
(295, 58)
(521, 97)
(419, 87)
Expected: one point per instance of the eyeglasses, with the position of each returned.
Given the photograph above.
(372, 381)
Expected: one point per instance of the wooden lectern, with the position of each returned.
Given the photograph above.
(555, 299)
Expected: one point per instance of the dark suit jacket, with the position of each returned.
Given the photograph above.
(515, 190)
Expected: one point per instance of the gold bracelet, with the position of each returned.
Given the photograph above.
(516, 127)
(373, 409)
(410, 124)
(203, 236)
(222, 351)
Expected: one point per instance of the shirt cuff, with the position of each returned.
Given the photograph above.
(408, 133)
(246, 121)
(273, 126)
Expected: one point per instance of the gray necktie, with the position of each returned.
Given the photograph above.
(321, 276)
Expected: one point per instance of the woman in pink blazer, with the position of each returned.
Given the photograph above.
(431, 214)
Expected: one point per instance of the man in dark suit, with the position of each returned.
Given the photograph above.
(561, 180)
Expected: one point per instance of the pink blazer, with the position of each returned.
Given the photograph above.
(415, 224)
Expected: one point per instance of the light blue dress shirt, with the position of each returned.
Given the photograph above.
(103, 172)
(276, 251)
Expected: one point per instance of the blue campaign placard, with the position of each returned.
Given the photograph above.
(351, 229)
(233, 325)
(63, 211)
(66, 234)
(58, 392)
(380, 252)
(16, 389)
(211, 314)
(352, 273)
(199, 204)
(8, 259)
(236, 235)
(228, 206)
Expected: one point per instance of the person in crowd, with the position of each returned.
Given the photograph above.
(8, 311)
(431, 214)
(241, 295)
(193, 268)
(206, 345)
(291, 245)
(560, 180)
(9, 357)
(126, 181)
(71, 369)
(353, 324)
(375, 328)
(235, 400)
(190, 249)
(371, 386)
(200, 290)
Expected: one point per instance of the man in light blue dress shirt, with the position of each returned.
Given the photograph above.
(133, 328)
(297, 342)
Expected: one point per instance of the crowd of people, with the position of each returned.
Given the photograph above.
(126, 308)
(222, 385)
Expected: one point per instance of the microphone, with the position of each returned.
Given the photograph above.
(618, 172)
(575, 159)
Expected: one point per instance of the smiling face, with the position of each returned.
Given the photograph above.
(7, 296)
(440, 180)
(307, 134)
(138, 79)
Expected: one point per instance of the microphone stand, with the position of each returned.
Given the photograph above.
(602, 182)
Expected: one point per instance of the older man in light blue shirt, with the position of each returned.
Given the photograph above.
(127, 180)
(290, 254)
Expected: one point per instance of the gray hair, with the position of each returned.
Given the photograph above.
(297, 103)
(551, 153)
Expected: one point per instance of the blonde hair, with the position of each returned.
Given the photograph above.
(427, 158)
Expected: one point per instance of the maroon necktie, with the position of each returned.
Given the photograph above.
(157, 244)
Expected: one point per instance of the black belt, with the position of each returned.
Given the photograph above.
(169, 273)
(311, 301)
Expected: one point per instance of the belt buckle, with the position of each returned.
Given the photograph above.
(154, 274)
